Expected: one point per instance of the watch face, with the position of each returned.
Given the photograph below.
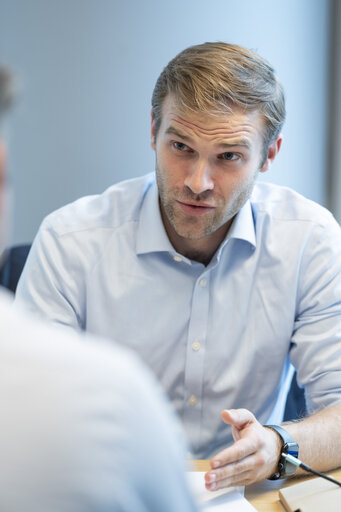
(288, 468)
(291, 448)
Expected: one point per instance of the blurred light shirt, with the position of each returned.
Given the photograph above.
(84, 426)
(217, 336)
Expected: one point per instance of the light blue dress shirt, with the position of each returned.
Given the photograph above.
(218, 336)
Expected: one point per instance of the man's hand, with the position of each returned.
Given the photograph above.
(253, 456)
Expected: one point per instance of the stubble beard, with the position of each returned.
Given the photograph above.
(193, 227)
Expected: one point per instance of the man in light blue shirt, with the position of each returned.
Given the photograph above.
(84, 426)
(216, 281)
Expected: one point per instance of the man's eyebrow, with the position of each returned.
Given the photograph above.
(173, 131)
(239, 143)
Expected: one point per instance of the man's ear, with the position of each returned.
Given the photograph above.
(273, 150)
(153, 131)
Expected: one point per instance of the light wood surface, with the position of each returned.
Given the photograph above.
(264, 495)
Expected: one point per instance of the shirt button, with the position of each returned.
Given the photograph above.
(193, 400)
(196, 346)
(202, 282)
(177, 258)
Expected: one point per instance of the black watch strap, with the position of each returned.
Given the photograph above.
(289, 446)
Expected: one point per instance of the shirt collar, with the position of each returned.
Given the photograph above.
(152, 236)
(243, 226)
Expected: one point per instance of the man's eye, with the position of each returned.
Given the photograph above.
(180, 146)
(229, 156)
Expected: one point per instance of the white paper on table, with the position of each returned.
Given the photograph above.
(225, 500)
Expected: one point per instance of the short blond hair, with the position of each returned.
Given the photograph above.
(212, 78)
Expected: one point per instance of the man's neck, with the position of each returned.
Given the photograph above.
(199, 254)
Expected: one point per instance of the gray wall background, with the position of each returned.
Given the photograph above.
(86, 70)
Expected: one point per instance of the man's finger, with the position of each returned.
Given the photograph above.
(238, 451)
(232, 470)
(240, 479)
(238, 418)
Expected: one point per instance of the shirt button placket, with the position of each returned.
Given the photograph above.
(194, 368)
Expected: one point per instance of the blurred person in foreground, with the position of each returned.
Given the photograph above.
(84, 426)
(216, 280)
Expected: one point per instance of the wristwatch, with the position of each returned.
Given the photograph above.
(289, 446)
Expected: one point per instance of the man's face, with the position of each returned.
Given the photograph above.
(206, 167)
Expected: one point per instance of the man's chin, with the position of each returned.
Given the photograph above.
(190, 233)
(195, 231)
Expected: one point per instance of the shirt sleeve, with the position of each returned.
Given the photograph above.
(316, 341)
(52, 283)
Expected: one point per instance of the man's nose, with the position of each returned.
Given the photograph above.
(199, 177)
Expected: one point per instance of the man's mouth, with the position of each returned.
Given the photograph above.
(195, 209)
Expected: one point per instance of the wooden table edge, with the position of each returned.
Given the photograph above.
(263, 496)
